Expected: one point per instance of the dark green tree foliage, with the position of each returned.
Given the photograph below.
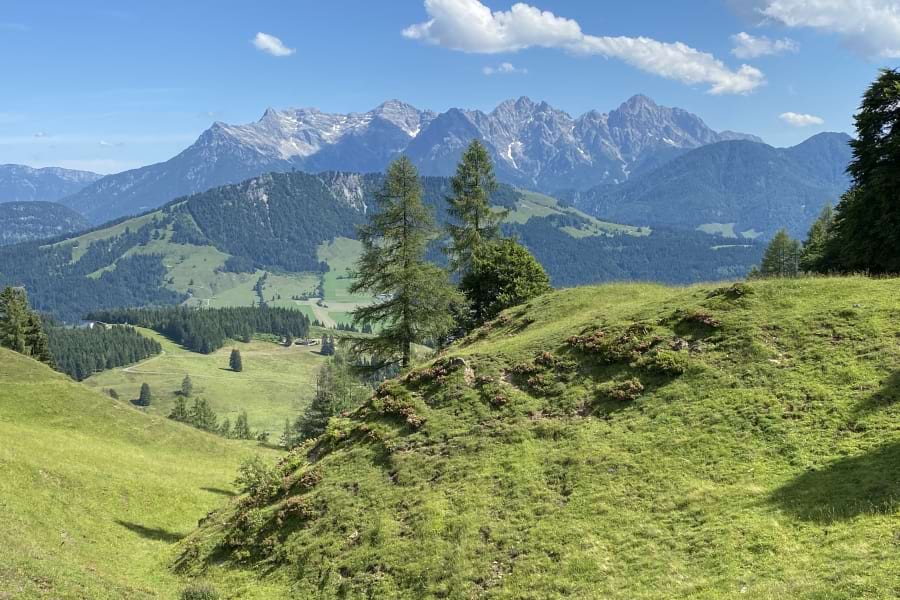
(472, 221)
(180, 411)
(506, 274)
(242, 427)
(82, 351)
(207, 330)
(234, 361)
(782, 257)
(187, 386)
(202, 416)
(327, 345)
(416, 297)
(338, 389)
(814, 252)
(146, 396)
(867, 223)
(21, 329)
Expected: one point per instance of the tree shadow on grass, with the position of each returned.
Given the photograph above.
(151, 533)
(868, 484)
(860, 485)
(219, 491)
(888, 394)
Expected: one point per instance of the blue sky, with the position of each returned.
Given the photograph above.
(108, 86)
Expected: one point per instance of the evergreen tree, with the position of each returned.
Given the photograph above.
(782, 257)
(187, 387)
(180, 410)
(225, 428)
(235, 362)
(242, 427)
(416, 296)
(146, 396)
(473, 221)
(813, 257)
(505, 275)
(337, 390)
(287, 436)
(21, 329)
(867, 221)
(202, 415)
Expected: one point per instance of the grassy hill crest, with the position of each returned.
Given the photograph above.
(623, 441)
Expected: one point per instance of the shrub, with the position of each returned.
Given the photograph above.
(199, 591)
(621, 391)
(664, 362)
(258, 478)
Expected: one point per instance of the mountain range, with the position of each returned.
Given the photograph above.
(533, 144)
(19, 183)
(736, 188)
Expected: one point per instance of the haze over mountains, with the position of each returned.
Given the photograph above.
(19, 183)
(534, 145)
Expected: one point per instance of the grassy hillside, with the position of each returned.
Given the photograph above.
(620, 442)
(276, 384)
(93, 493)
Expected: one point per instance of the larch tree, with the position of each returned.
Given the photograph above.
(415, 298)
(782, 257)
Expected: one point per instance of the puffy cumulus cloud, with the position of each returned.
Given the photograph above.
(801, 120)
(470, 26)
(271, 45)
(870, 27)
(504, 69)
(749, 46)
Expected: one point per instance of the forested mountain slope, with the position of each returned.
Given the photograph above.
(27, 221)
(201, 247)
(623, 441)
(94, 492)
(739, 188)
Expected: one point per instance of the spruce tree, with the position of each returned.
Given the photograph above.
(180, 410)
(146, 396)
(187, 387)
(473, 222)
(14, 318)
(225, 428)
(242, 427)
(782, 257)
(417, 297)
(235, 362)
(867, 220)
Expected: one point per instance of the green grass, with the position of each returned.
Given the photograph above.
(276, 384)
(760, 462)
(94, 494)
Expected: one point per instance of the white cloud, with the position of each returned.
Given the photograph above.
(870, 27)
(470, 26)
(749, 46)
(504, 69)
(41, 134)
(271, 45)
(801, 120)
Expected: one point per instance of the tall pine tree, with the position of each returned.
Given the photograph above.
(867, 223)
(814, 256)
(146, 396)
(416, 296)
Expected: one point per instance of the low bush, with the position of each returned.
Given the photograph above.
(621, 391)
(200, 591)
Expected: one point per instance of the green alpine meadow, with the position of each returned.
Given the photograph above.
(487, 342)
